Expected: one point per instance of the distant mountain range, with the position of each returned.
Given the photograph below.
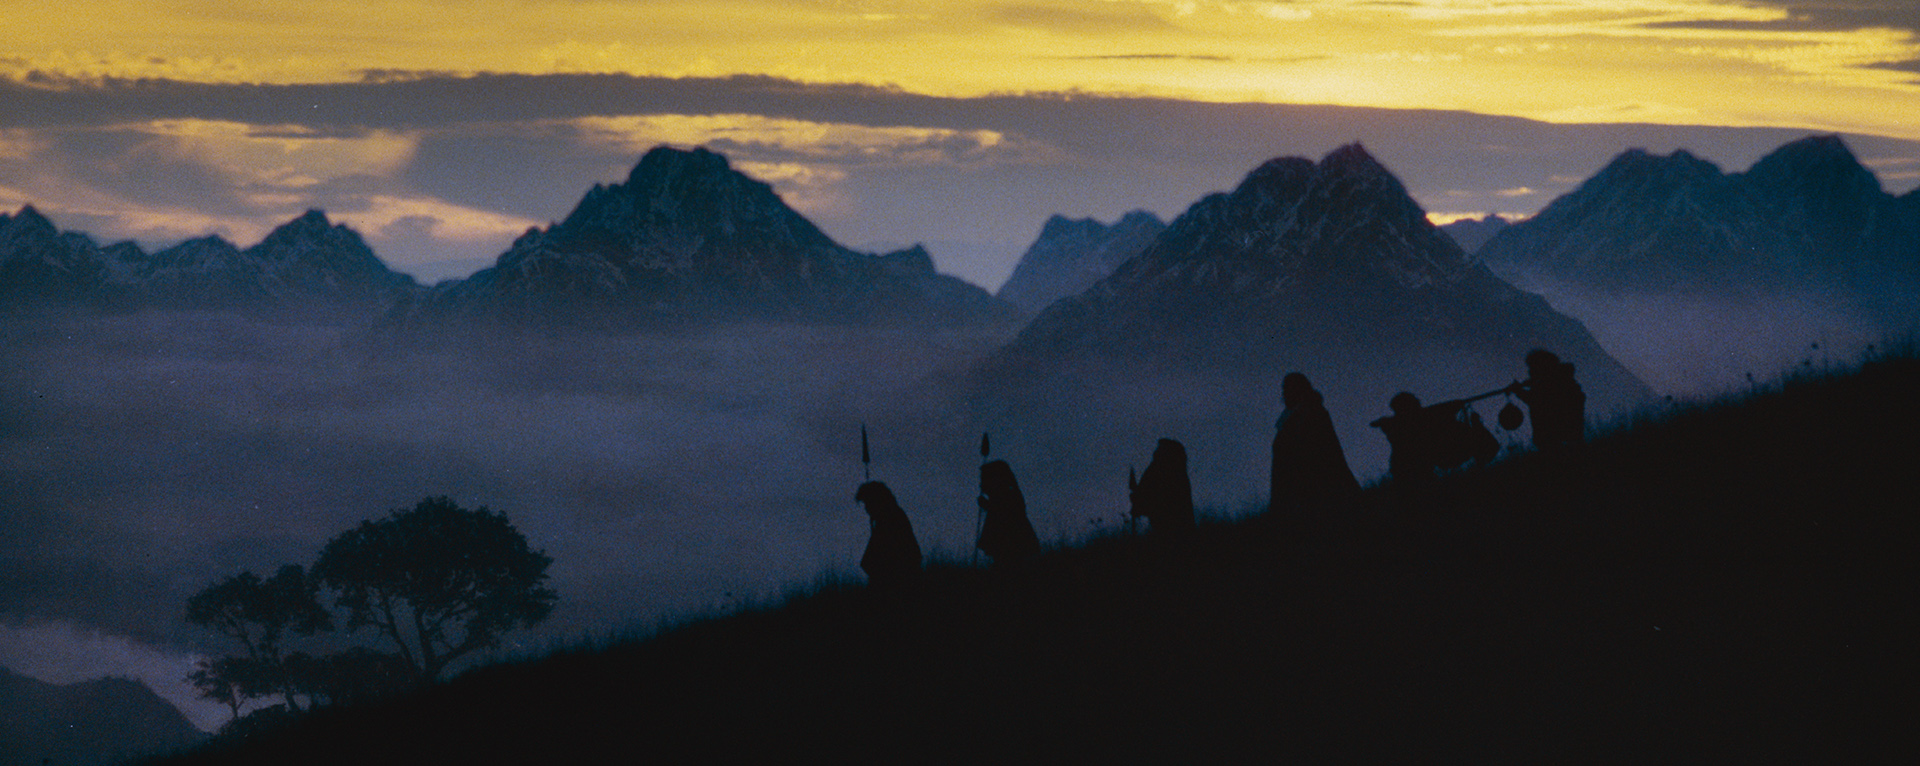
(1807, 217)
(305, 264)
(688, 237)
(1328, 268)
(103, 722)
(1300, 256)
(1471, 234)
(1070, 255)
(685, 238)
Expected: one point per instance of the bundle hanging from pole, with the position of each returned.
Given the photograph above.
(1511, 416)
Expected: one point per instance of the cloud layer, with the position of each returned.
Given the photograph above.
(441, 172)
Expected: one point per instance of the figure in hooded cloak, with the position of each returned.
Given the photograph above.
(893, 554)
(1309, 467)
(1007, 534)
(1164, 495)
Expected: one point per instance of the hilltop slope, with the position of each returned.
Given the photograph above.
(1694, 277)
(1729, 583)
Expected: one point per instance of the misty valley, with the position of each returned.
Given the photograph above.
(675, 391)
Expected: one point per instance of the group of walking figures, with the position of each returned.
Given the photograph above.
(1309, 465)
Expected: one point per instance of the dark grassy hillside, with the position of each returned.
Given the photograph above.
(1731, 582)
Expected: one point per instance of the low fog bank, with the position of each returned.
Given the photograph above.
(145, 456)
(60, 652)
(1696, 346)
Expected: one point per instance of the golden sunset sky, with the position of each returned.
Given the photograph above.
(441, 130)
(1715, 62)
(1844, 66)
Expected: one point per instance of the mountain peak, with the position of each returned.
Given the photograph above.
(1071, 255)
(1292, 219)
(679, 204)
(1353, 158)
(30, 220)
(1277, 175)
(1815, 162)
(1806, 217)
(1058, 225)
(1640, 163)
(313, 228)
(664, 161)
(1829, 145)
(687, 236)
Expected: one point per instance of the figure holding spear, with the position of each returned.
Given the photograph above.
(866, 456)
(893, 553)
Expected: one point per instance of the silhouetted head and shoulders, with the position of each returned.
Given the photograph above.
(1298, 395)
(1412, 433)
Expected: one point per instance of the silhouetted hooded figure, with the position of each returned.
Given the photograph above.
(893, 555)
(1164, 495)
(1554, 399)
(1413, 432)
(1006, 535)
(1309, 467)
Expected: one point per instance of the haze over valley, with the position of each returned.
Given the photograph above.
(666, 389)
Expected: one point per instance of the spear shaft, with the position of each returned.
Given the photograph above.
(980, 520)
(866, 455)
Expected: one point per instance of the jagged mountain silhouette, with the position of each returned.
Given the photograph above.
(1806, 217)
(306, 263)
(1301, 255)
(1326, 268)
(688, 236)
(1070, 255)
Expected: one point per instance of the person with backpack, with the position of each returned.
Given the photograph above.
(1554, 400)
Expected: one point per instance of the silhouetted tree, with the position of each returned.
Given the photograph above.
(439, 581)
(258, 614)
(224, 680)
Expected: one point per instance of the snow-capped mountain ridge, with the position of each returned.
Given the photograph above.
(1070, 255)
